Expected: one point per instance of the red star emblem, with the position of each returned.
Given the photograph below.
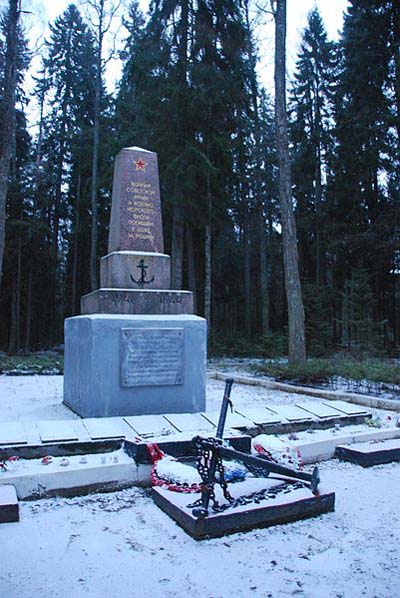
(140, 164)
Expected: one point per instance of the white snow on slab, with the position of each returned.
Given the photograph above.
(347, 408)
(150, 425)
(31, 477)
(321, 410)
(135, 253)
(290, 412)
(12, 433)
(8, 495)
(189, 422)
(233, 419)
(102, 428)
(259, 415)
(56, 431)
(377, 445)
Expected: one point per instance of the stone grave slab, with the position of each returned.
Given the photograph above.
(9, 508)
(347, 408)
(56, 431)
(260, 416)
(321, 410)
(290, 413)
(372, 453)
(190, 422)
(285, 507)
(150, 425)
(233, 420)
(104, 428)
(12, 433)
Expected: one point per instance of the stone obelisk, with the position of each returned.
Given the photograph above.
(137, 348)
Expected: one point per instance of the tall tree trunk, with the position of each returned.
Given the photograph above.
(297, 345)
(191, 266)
(75, 250)
(96, 144)
(178, 228)
(178, 214)
(264, 286)
(207, 259)
(262, 237)
(247, 273)
(15, 324)
(7, 116)
(28, 318)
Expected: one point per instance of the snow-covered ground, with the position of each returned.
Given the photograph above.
(121, 544)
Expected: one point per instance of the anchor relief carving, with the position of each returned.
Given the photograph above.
(142, 280)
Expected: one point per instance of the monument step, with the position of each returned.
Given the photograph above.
(9, 508)
(137, 302)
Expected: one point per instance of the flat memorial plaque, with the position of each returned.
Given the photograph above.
(319, 409)
(151, 356)
(56, 431)
(189, 422)
(290, 412)
(150, 425)
(12, 433)
(347, 408)
(260, 416)
(233, 420)
(102, 428)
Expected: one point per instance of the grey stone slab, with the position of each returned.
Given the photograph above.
(189, 422)
(92, 366)
(150, 425)
(136, 208)
(135, 270)
(233, 419)
(56, 431)
(371, 454)
(152, 356)
(12, 433)
(319, 409)
(260, 415)
(102, 428)
(347, 408)
(290, 412)
(134, 301)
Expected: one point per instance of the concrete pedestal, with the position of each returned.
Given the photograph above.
(135, 301)
(135, 364)
(135, 270)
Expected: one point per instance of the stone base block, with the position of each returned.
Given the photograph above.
(131, 301)
(9, 509)
(135, 270)
(135, 365)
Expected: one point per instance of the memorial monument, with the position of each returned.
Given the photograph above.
(137, 348)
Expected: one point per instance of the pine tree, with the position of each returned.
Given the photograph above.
(358, 194)
(312, 108)
(66, 81)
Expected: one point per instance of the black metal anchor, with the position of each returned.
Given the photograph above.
(142, 281)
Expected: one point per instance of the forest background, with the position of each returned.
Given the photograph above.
(189, 90)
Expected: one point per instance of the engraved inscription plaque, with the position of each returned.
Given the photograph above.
(151, 356)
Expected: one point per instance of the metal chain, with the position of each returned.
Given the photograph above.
(203, 461)
(203, 467)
